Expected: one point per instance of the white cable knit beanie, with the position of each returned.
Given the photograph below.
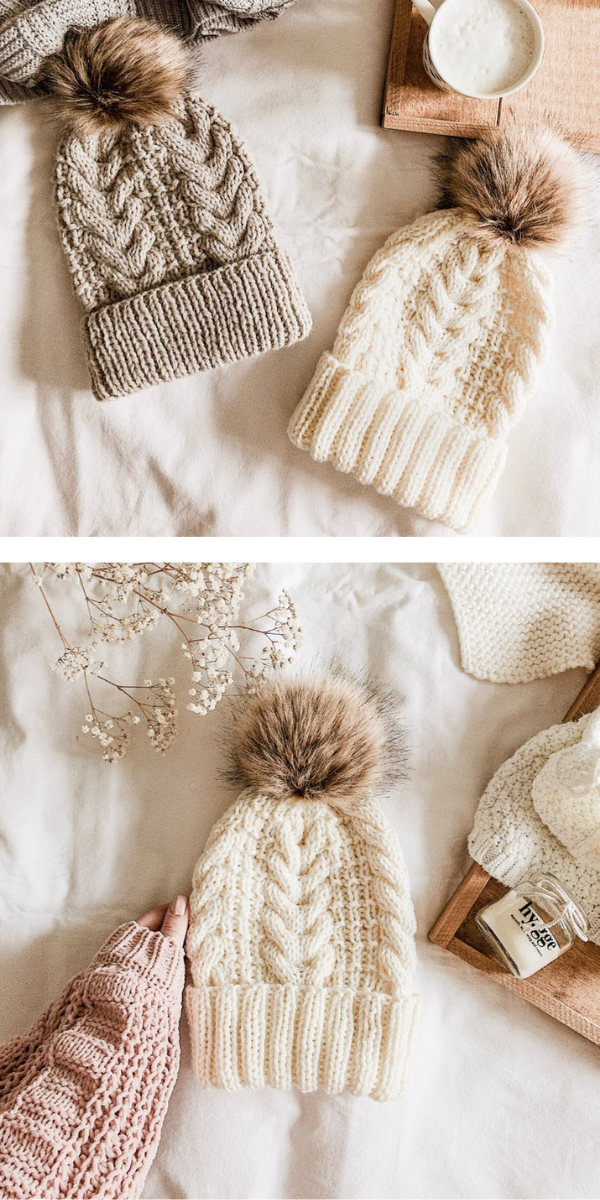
(442, 340)
(512, 837)
(301, 937)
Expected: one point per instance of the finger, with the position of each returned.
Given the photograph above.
(154, 918)
(176, 920)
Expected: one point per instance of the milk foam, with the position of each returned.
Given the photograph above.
(482, 46)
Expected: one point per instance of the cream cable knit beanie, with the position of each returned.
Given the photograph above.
(512, 841)
(164, 224)
(442, 340)
(301, 938)
(523, 621)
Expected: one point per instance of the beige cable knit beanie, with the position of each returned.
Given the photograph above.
(162, 217)
(301, 938)
(442, 340)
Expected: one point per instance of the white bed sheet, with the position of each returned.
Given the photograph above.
(504, 1101)
(210, 454)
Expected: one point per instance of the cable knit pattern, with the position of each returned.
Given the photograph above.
(523, 621)
(509, 837)
(83, 1096)
(301, 943)
(172, 252)
(431, 368)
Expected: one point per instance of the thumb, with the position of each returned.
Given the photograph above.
(176, 920)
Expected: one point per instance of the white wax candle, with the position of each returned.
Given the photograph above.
(520, 930)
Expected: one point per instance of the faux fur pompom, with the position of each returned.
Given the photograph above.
(125, 71)
(526, 186)
(331, 739)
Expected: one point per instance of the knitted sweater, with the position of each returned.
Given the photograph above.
(84, 1094)
(523, 621)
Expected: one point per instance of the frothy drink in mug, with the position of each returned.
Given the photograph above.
(483, 47)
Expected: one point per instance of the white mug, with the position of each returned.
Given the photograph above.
(433, 47)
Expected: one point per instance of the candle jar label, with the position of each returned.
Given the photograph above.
(517, 932)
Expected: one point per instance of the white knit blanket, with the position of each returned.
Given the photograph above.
(210, 454)
(522, 621)
(85, 845)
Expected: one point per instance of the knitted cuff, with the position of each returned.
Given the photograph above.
(208, 19)
(194, 324)
(284, 1036)
(166, 13)
(423, 458)
(16, 93)
(39, 30)
(145, 953)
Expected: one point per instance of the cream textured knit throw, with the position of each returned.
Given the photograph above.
(301, 938)
(512, 841)
(165, 225)
(442, 340)
(523, 621)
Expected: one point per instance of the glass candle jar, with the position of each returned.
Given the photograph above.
(532, 925)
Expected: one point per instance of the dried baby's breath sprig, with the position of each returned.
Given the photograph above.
(122, 601)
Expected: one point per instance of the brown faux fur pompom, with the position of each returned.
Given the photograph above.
(526, 186)
(125, 71)
(331, 739)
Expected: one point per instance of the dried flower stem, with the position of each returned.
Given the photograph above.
(212, 594)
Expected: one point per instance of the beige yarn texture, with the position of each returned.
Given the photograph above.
(172, 251)
(27, 37)
(523, 621)
(509, 838)
(431, 368)
(29, 31)
(301, 944)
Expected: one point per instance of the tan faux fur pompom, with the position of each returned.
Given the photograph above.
(526, 186)
(125, 71)
(332, 739)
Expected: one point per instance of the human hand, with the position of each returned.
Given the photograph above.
(169, 919)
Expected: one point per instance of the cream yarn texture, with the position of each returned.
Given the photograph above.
(301, 945)
(172, 252)
(523, 621)
(510, 839)
(566, 794)
(431, 367)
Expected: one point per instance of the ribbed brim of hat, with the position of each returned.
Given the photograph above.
(209, 19)
(284, 1036)
(195, 324)
(422, 458)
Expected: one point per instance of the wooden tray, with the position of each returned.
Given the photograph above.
(564, 93)
(569, 988)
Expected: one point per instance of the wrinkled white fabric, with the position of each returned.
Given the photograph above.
(210, 454)
(503, 1100)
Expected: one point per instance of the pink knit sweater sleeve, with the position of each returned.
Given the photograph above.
(83, 1096)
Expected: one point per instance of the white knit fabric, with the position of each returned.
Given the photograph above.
(301, 945)
(566, 794)
(523, 621)
(431, 367)
(511, 841)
